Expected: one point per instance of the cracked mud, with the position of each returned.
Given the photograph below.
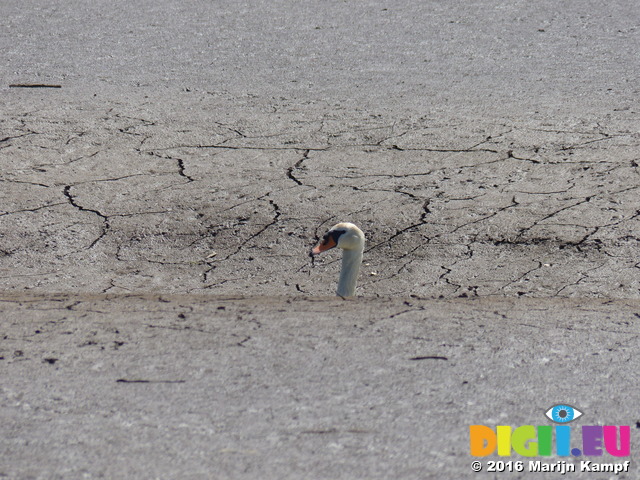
(166, 167)
(116, 198)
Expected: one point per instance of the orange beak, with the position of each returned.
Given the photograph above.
(327, 243)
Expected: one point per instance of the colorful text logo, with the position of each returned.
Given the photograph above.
(532, 441)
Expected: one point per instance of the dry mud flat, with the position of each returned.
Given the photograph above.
(116, 386)
(197, 193)
(193, 154)
(489, 149)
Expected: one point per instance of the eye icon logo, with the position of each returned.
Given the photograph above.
(563, 413)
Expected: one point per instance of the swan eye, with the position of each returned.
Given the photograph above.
(336, 234)
(563, 413)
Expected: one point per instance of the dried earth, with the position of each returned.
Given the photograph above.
(112, 386)
(166, 167)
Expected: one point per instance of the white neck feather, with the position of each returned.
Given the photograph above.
(351, 260)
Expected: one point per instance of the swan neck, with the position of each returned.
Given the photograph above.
(351, 260)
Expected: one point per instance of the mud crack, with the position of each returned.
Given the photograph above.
(105, 220)
(297, 166)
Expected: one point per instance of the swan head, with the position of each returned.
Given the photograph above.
(343, 235)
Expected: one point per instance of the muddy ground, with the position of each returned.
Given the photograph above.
(190, 194)
(166, 167)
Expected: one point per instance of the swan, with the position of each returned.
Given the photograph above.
(350, 239)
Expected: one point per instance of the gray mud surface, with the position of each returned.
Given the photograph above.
(281, 387)
(166, 166)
